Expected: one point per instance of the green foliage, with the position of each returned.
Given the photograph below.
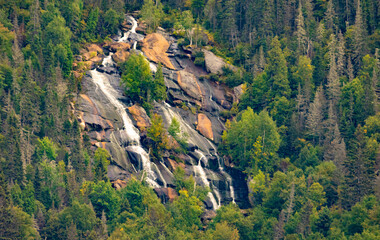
(240, 139)
(101, 162)
(157, 133)
(152, 14)
(186, 210)
(137, 80)
(159, 91)
(104, 198)
(175, 131)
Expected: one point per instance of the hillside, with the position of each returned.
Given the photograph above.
(189, 119)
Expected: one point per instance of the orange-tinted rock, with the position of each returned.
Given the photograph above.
(89, 55)
(116, 46)
(189, 83)
(120, 56)
(94, 48)
(205, 126)
(173, 144)
(172, 164)
(119, 184)
(172, 194)
(155, 47)
(140, 116)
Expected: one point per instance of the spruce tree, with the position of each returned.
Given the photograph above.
(316, 113)
(277, 70)
(301, 33)
(359, 38)
(333, 83)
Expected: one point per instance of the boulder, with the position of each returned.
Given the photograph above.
(155, 47)
(215, 64)
(119, 184)
(166, 194)
(189, 83)
(238, 91)
(205, 126)
(94, 48)
(139, 115)
(89, 55)
(116, 46)
(120, 56)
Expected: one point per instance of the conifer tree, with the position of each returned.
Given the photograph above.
(330, 15)
(333, 83)
(316, 113)
(301, 32)
(277, 70)
(359, 166)
(340, 51)
(359, 38)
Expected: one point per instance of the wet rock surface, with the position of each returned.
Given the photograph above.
(193, 100)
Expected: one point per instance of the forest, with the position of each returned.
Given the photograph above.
(303, 135)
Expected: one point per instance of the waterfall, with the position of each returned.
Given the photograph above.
(129, 130)
(108, 62)
(133, 30)
(200, 172)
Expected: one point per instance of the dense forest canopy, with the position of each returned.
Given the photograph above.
(305, 131)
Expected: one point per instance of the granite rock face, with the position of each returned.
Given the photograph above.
(155, 47)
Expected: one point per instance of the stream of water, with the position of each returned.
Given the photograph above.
(131, 137)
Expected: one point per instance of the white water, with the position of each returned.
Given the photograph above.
(133, 30)
(147, 165)
(200, 172)
(129, 130)
(102, 82)
(108, 62)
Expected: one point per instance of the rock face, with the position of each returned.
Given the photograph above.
(205, 126)
(215, 64)
(166, 194)
(189, 83)
(116, 46)
(194, 101)
(94, 48)
(139, 115)
(238, 91)
(155, 47)
(120, 56)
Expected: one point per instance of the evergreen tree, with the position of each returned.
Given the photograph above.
(301, 33)
(277, 70)
(316, 114)
(333, 82)
(359, 35)
(360, 170)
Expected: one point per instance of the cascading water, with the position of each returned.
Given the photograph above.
(133, 31)
(200, 172)
(128, 136)
(204, 146)
(129, 130)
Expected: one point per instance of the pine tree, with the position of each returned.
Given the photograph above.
(333, 83)
(301, 33)
(316, 113)
(350, 69)
(159, 82)
(359, 166)
(277, 70)
(359, 38)
(261, 63)
(330, 15)
(340, 50)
